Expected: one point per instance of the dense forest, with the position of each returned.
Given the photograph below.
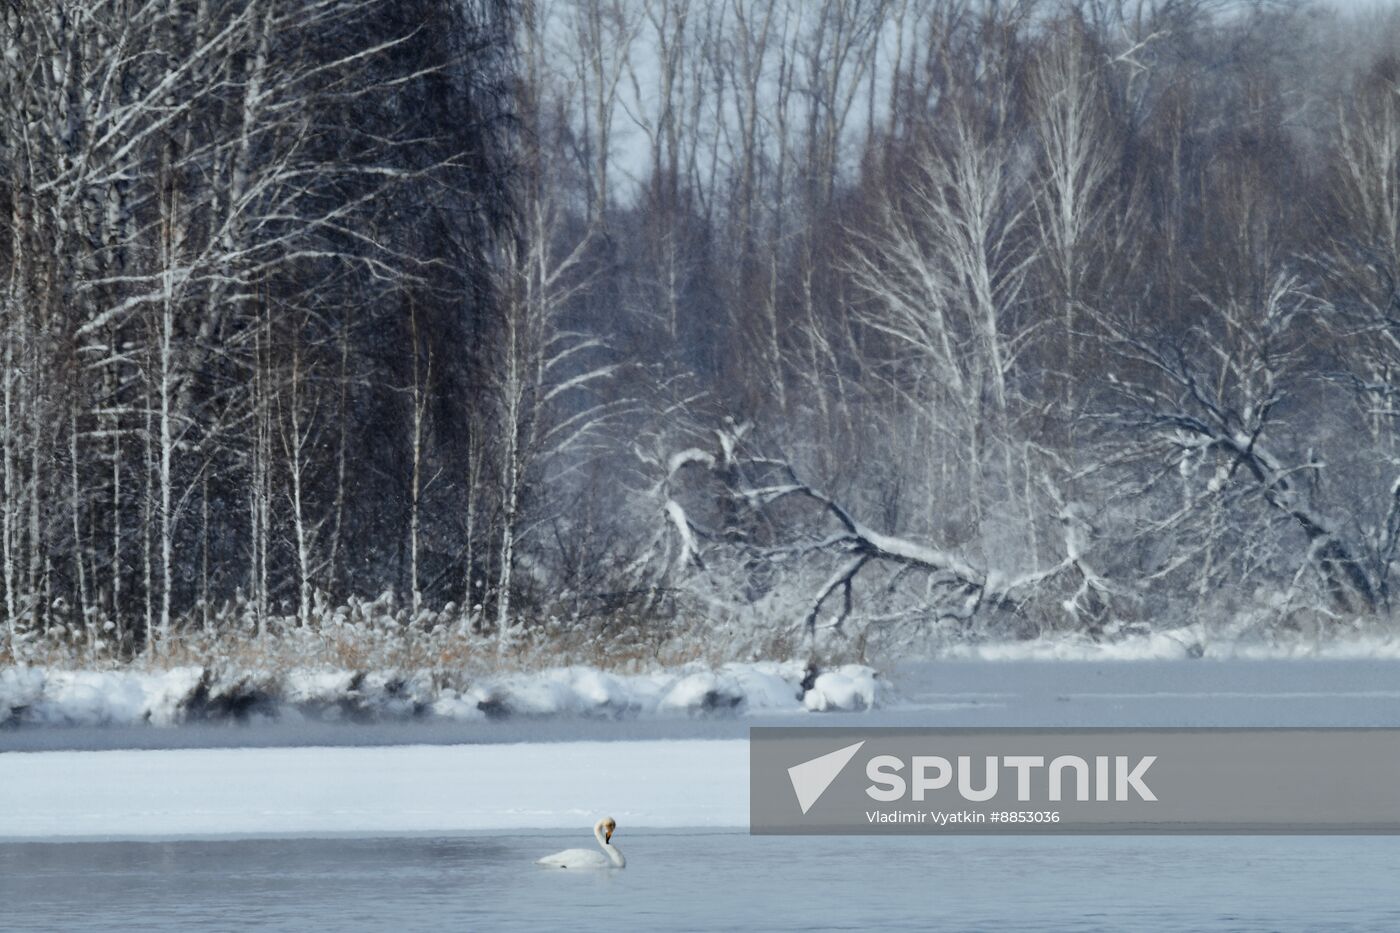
(768, 322)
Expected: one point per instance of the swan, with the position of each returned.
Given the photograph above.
(610, 857)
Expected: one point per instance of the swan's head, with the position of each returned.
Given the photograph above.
(609, 826)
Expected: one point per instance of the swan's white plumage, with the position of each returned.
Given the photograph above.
(609, 857)
(576, 858)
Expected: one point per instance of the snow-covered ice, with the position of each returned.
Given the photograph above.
(395, 789)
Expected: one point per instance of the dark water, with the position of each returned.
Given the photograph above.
(707, 881)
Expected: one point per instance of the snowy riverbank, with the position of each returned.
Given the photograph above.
(38, 696)
(135, 695)
(1190, 642)
(282, 777)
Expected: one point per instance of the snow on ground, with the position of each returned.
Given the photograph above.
(36, 696)
(845, 689)
(308, 791)
(1189, 642)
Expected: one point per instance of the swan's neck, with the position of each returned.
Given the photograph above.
(610, 850)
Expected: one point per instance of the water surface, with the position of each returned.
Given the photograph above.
(707, 880)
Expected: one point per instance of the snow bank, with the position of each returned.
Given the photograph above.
(39, 697)
(374, 789)
(35, 696)
(1190, 642)
(848, 688)
(1154, 646)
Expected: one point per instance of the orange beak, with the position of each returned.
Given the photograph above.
(607, 836)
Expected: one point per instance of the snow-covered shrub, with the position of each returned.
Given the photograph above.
(38, 696)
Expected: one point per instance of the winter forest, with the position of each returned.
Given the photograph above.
(674, 329)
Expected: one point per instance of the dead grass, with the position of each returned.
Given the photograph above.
(359, 639)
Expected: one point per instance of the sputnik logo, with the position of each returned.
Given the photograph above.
(811, 778)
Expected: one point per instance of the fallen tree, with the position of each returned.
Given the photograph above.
(752, 491)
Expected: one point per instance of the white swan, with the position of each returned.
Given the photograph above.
(610, 857)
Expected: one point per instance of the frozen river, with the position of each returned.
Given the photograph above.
(422, 827)
(706, 880)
